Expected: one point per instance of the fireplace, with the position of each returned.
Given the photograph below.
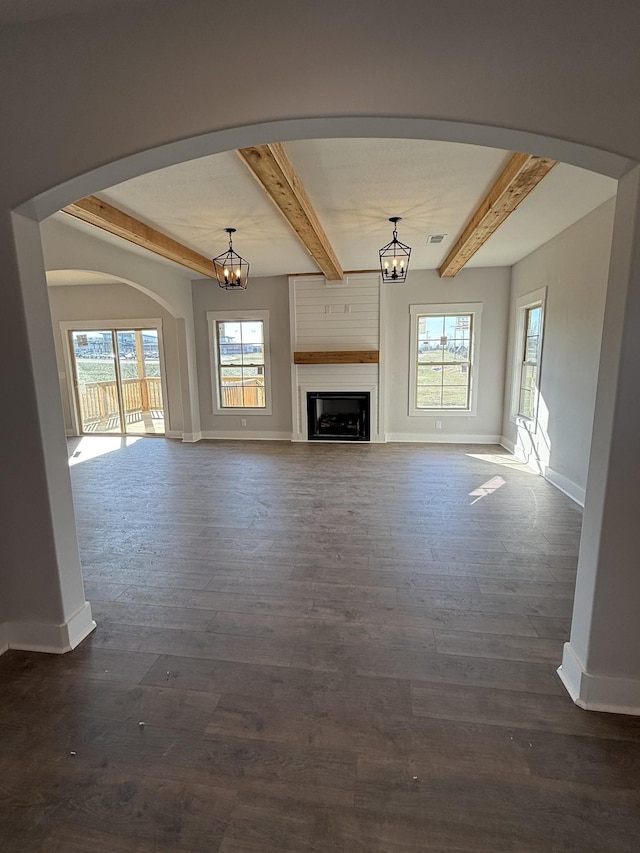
(338, 415)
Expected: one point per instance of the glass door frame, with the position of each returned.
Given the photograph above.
(113, 326)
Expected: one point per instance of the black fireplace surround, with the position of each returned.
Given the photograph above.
(338, 415)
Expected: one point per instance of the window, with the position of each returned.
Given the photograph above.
(442, 346)
(530, 316)
(240, 353)
(530, 362)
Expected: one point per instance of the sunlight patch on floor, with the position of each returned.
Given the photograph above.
(90, 446)
(506, 459)
(487, 488)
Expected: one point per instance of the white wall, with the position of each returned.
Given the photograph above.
(154, 289)
(115, 302)
(101, 107)
(574, 268)
(491, 288)
(68, 247)
(262, 294)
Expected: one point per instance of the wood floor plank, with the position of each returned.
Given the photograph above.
(527, 605)
(500, 646)
(551, 626)
(194, 644)
(538, 589)
(194, 619)
(535, 712)
(330, 647)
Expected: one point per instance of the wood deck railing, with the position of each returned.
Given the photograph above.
(248, 393)
(99, 400)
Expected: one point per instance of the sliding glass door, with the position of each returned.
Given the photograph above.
(118, 381)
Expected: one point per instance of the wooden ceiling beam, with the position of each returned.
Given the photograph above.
(97, 212)
(521, 176)
(274, 171)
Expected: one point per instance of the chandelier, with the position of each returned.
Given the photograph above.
(394, 257)
(232, 271)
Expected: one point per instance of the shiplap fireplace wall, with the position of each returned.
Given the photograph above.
(341, 318)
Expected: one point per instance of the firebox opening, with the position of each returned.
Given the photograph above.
(338, 415)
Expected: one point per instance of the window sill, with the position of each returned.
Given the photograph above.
(531, 424)
(243, 412)
(442, 413)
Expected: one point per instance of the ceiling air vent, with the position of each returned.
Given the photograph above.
(435, 238)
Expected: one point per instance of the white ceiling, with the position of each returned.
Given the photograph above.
(355, 185)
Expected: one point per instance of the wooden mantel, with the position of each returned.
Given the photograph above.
(371, 356)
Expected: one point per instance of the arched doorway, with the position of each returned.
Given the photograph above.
(510, 108)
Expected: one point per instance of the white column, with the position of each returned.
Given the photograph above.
(188, 380)
(601, 663)
(42, 603)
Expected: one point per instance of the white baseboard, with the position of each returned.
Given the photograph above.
(191, 437)
(443, 438)
(172, 433)
(571, 489)
(48, 637)
(507, 444)
(564, 484)
(598, 692)
(245, 435)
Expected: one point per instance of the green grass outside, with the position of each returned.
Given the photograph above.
(90, 370)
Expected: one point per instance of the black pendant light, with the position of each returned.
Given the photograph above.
(394, 257)
(232, 271)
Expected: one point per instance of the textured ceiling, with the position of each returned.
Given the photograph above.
(354, 186)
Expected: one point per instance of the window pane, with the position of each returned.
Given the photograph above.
(432, 353)
(533, 320)
(526, 404)
(229, 331)
(455, 375)
(252, 331)
(429, 397)
(253, 353)
(460, 349)
(529, 377)
(231, 374)
(454, 397)
(531, 349)
(434, 327)
(429, 375)
(229, 354)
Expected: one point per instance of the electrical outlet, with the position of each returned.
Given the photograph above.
(438, 424)
(243, 421)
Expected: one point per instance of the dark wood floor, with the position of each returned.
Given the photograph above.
(315, 648)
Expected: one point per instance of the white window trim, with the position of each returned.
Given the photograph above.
(528, 300)
(67, 326)
(213, 318)
(438, 309)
